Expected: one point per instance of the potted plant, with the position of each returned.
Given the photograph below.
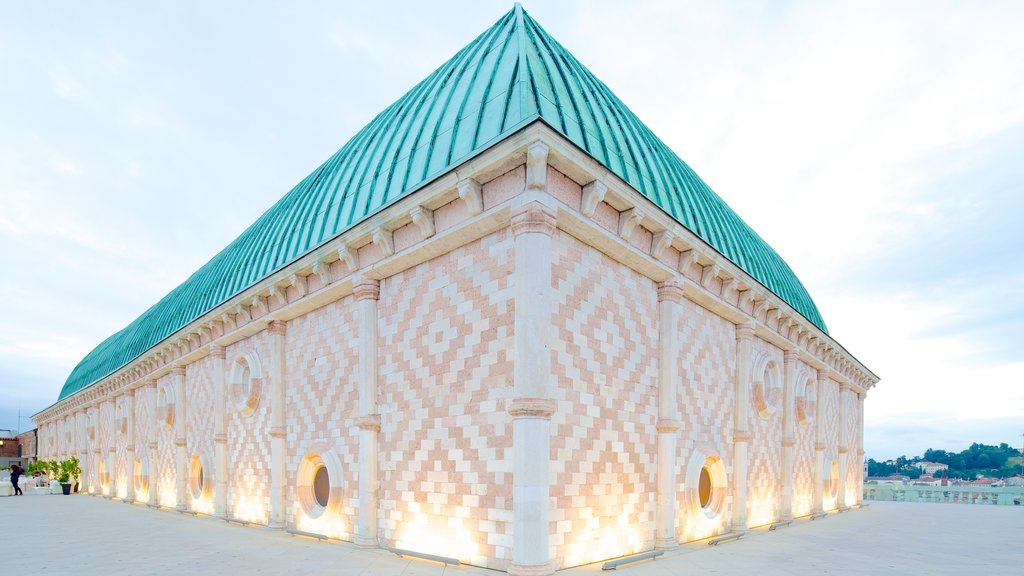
(68, 469)
(52, 468)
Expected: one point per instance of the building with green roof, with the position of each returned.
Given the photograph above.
(504, 322)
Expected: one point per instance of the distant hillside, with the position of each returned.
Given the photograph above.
(979, 460)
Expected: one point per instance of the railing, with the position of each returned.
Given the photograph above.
(1008, 496)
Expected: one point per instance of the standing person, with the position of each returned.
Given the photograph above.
(16, 472)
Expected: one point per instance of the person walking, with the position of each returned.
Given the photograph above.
(16, 472)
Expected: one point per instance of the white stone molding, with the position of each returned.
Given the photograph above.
(709, 274)
(661, 242)
(423, 218)
(298, 281)
(628, 221)
(472, 194)
(323, 271)
(384, 240)
(537, 166)
(241, 314)
(592, 196)
(278, 295)
(350, 256)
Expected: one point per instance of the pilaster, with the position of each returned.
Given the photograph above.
(112, 450)
(531, 407)
(819, 443)
(220, 438)
(670, 295)
(367, 295)
(788, 433)
(154, 433)
(277, 331)
(180, 454)
(843, 447)
(741, 432)
(130, 444)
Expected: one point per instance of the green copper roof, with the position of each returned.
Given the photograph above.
(511, 75)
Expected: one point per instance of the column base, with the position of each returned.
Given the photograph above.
(545, 569)
(666, 544)
(364, 542)
(275, 525)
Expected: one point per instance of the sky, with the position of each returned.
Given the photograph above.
(877, 146)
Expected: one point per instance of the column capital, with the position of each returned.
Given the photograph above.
(822, 374)
(742, 436)
(277, 328)
(670, 291)
(533, 218)
(668, 425)
(218, 352)
(745, 331)
(368, 422)
(277, 432)
(151, 383)
(366, 289)
(527, 407)
(790, 356)
(178, 371)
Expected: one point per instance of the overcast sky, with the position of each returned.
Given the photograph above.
(878, 146)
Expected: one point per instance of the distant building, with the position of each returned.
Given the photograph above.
(930, 468)
(894, 480)
(927, 481)
(9, 448)
(1015, 480)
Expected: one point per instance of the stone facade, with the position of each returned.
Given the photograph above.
(508, 367)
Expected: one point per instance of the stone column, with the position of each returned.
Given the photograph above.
(112, 450)
(741, 432)
(819, 443)
(220, 436)
(277, 330)
(154, 433)
(860, 446)
(130, 444)
(531, 407)
(788, 434)
(93, 449)
(670, 295)
(843, 447)
(180, 455)
(367, 293)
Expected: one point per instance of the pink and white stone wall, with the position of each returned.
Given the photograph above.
(285, 371)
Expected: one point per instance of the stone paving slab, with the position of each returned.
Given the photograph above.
(83, 535)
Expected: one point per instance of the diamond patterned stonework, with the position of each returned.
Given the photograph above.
(504, 324)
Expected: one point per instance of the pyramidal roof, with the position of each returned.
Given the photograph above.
(511, 75)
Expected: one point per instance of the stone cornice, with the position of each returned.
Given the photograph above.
(325, 274)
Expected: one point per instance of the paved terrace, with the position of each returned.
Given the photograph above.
(83, 535)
